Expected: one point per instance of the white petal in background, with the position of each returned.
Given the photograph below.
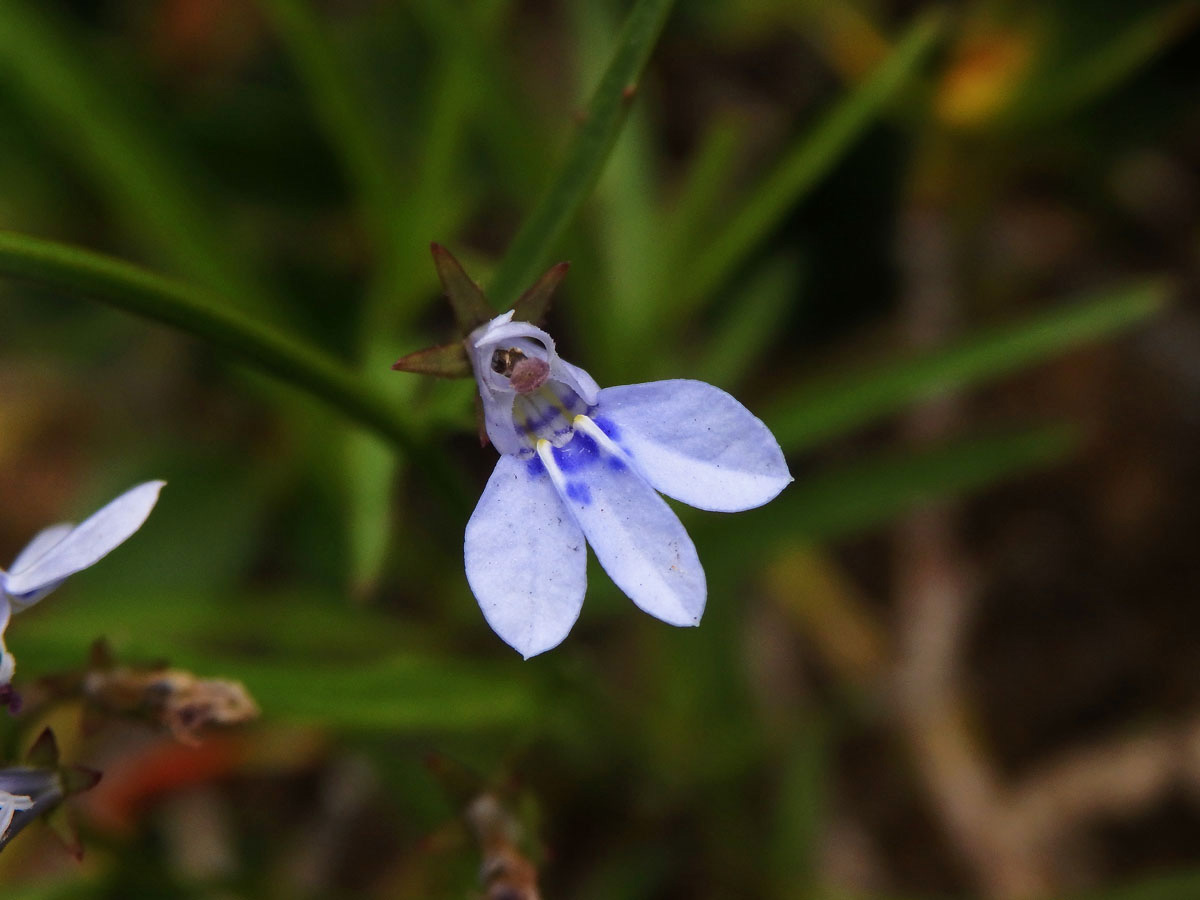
(8, 665)
(525, 557)
(696, 443)
(41, 544)
(638, 539)
(83, 546)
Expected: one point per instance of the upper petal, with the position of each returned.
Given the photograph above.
(84, 545)
(639, 541)
(41, 544)
(695, 443)
(526, 559)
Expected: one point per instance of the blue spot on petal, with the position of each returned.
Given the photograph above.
(535, 468)
(580, 453)
(609, 427)
(579, 492)
(616, 464)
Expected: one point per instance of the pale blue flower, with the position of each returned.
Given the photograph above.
(583, 465)
(10, 805)
(62, 550)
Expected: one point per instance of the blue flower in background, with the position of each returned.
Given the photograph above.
(10, 805)
(584, 465)
(62, 550)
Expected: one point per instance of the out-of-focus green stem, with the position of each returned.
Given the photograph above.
(831, 405)
(194, 311)
(813, 156)
(96, 121)
(340, 104)
(586, 156)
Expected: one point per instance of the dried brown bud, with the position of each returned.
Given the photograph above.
(177, 700)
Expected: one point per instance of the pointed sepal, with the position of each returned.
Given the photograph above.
(63, 826)
(471, 308)
(77, 779)
(532, 305)
(44, 752)
(445, 361)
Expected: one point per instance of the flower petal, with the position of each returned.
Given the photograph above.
(525, 558)
(695, 443)
(638, 539)
(8, 665)
(41, 544)
(85, 545)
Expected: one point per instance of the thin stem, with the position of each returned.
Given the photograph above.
(198, 313)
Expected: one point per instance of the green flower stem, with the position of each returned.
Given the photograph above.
(194, 311)
(587, 154)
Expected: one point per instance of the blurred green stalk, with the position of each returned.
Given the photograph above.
(530, 249)
(201, 315)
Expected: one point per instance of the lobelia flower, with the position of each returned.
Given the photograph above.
(62, 550)
(583, 465)
(580, 462)
(38, 789)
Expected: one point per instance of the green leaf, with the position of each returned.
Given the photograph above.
(395, 694)
(828, 406)
(1058, 90)
(804, 165)
(197, 313)
(750, 320)
(341, 106)
(95, 119)
(587, 154)
(800, 809)
(303, 656)
(852, 498)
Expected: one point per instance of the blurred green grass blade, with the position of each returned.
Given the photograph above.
(697, 203)
(1179, 886)
(802, 167)
(800, 810)
(585, 158)
(623, 216)
(303, 656)
(342, 108)
(750, 319)
(402, 693)
(845, 500)
(371, 475)
(851, 498)
(195, 312)
(93, 119)
(1054, 92)
(832, 405)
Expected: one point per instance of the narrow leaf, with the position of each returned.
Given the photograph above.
(195, 312)
(587, 154)
(852, 498)
(804, 165)
(828, 406)
(95, 120)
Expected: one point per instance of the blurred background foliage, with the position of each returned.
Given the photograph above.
(947, 252)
